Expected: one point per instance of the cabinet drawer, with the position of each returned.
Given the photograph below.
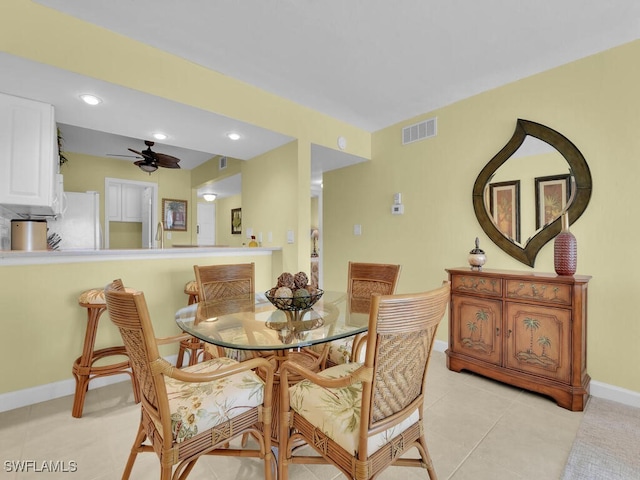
(476, 284)
(552, 293)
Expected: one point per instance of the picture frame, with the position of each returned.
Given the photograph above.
(174, 214)
(236, 221)
(552, 194)
(504, 203)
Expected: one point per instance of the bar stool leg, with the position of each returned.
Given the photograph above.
(84, 372)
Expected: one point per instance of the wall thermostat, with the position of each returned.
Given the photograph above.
(397, 209)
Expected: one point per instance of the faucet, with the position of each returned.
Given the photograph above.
(160, 234)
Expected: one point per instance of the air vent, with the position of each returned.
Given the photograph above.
(420, 131)
(223, 163)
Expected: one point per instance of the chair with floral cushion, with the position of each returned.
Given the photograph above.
(363, 280)
(190, 412)
(362, 417)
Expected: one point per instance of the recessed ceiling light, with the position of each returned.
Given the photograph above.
(233, 136)
(90, 99)
(159, 136)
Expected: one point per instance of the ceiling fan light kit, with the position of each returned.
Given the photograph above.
(149, 168)
(152, 160)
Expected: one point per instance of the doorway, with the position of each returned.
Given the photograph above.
(206, 229)
(131, 202)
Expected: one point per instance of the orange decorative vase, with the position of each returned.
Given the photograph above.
(565, 250)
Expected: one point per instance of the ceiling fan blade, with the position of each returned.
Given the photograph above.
(168, 165)
(125, 156)
(144, 154)
(166, 161)
(163, 157)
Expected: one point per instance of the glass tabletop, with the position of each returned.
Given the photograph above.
(251, 322)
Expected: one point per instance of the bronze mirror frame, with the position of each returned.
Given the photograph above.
(578, 168)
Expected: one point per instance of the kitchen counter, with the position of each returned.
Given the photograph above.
(17, 257)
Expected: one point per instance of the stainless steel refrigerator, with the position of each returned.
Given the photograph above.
(78, 226)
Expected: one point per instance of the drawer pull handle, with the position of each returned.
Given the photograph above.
(508, 333)
(497, 331)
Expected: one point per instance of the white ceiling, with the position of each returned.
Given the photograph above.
(371, 63)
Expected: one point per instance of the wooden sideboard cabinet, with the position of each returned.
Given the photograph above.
(527, 329)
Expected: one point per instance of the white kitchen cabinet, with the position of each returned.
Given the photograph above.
(125, 202)
(28, 157)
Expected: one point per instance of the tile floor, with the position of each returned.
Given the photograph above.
(476, 429)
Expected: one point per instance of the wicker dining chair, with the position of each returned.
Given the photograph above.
(223, 281)
(362, 417)
(190, 412)
(363, 280)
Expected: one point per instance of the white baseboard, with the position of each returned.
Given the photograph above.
(42, 393)
(616, 394)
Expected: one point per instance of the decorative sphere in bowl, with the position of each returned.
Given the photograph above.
(294, 300)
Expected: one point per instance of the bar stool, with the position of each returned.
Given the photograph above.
(83, 369)
(194, 345)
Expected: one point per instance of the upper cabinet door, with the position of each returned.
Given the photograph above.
(28, 155)
(124, 201)
(131, 203)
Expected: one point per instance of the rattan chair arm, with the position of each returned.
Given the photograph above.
(160, 365)
(173, 339)
(362, 374)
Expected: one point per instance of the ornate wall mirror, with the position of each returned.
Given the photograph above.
(520, 195)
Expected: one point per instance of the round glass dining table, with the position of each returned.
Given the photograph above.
(251, 322)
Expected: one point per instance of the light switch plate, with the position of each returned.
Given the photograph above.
(290, 237)
(357, 229)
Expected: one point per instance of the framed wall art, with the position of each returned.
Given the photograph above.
(174, 214)
(504, 201)
(552, 195)
(236, 221)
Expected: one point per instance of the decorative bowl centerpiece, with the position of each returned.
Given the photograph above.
(293, 293)
(303, 301)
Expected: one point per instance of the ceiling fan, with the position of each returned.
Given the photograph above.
(150, 160)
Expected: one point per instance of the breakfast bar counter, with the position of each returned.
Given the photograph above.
(18, 257)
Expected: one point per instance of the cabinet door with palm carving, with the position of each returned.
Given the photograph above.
(537, 340)
(476, 332)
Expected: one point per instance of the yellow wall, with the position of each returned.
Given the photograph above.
(43, 328)
(270, 203)
(125, 235)
(594, 102)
